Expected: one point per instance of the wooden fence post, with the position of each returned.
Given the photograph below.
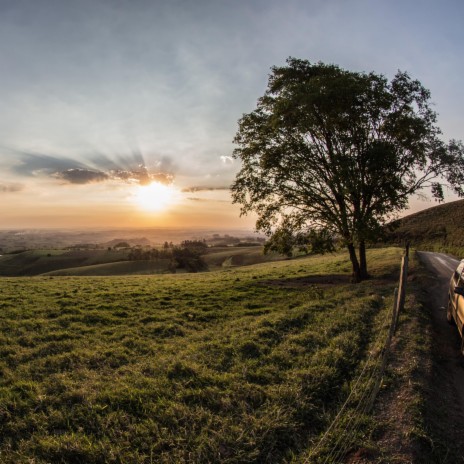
(402, 284)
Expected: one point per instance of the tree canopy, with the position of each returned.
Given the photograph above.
(339, 152)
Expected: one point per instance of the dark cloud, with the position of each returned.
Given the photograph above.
(81, 176)
(32, 164)
(11, 188)
(141, 176)
(129, 168)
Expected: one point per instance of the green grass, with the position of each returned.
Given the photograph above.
(114, 269)
(223, 257)
(435, 229)
(115, 262)
(241, 365)
(35, 262)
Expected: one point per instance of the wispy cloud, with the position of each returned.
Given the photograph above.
(204, 188)
(227, 159)
(207, 200)
(11, 188)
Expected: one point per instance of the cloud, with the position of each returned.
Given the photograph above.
(11, 188)
(204, 188)
(227, 159)
(141, 176)
(208, 200)
(32, 164)
(100, 168)
(81, 176)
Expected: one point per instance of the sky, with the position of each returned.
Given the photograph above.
(101, 97)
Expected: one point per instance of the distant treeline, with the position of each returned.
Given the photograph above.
(185, 256)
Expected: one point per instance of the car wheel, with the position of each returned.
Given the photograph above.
(449, 315)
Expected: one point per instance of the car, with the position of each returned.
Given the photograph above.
(455, 311)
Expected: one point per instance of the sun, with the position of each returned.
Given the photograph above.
(155, 196)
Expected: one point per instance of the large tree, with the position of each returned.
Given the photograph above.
(340, 152)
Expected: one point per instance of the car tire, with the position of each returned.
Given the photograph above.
(449, 314)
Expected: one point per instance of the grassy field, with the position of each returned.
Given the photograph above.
(241, 365)
(439, 228)
(159, 266)
(115, 262)
(35, 262)
(223, 257)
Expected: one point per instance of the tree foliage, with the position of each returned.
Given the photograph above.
(187, 256)
(337, 151)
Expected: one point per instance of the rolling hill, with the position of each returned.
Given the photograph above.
(115, 262)
(439, 228)
(115, 269)
(36, 262)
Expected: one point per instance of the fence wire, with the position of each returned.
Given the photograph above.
(348, 424)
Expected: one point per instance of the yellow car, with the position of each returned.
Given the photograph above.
(455, 312)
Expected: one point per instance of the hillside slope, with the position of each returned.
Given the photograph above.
(115, 269)
(115, 262)
(35, 262)
(439, 228)
(246, 364)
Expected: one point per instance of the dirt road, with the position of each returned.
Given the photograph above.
(448, 377)
(447, 337)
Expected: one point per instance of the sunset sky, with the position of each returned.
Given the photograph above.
(101, 97)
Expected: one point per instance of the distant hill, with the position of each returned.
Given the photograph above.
(116, 269)
(130, 241)
(106, 262)
(35, 262)
(440, 228)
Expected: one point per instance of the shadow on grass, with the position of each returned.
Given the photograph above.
(319, 279)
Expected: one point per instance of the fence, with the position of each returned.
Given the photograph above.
(350, 420)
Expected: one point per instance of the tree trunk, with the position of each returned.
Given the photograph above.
(356, 275)
(362, 260)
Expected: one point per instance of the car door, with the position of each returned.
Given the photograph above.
(451, 295)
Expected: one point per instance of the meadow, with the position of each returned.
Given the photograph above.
(246, 364)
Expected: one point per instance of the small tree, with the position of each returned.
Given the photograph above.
(339, 152)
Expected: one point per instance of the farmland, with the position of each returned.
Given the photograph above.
(246, 364)
(110, 262)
